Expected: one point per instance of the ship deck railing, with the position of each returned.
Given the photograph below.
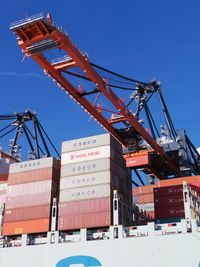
(112, 232)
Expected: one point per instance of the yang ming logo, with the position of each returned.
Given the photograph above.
(86, 261)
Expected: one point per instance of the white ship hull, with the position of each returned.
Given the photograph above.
(166, 250)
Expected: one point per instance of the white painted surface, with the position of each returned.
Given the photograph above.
(87, 142)
(32, 165)
(88, 179)
(87, 154)
(89, 192)
(86, 167)
(3, 186)
(175, 250)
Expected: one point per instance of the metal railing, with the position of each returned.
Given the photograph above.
(27, 20)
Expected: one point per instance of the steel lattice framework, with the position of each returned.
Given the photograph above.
(38, 36)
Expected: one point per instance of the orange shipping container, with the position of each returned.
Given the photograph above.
(141, 199)
(87, 220)
(178, 181)
(148, 189)
(26, 227)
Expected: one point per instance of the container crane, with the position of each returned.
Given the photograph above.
(170, 154)
(25, 124)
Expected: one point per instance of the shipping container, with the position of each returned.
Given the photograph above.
(90, 142)
(165, 212)
(32, 165)
(85, 206)
(3, 177)
(3, 186)
(106, 164)
(137, 161)
(31, 176)
(28, 200)
(88, 220)
(87, 154)
(168, 190)
(170, 200)
(3, 192)
(146, 206)
(3, 199)
(148, 189)
(26, 227)
(178, 181)
(27, 213)
(144, 198)
(195, 187)
(89, 179)
(89, 192)
(30, 188)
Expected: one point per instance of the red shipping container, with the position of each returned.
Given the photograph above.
(169, 190)
(29, 213)
(166, 212)
(136, 161)
(85, 206)
(26, 227)
(3, 177)
(88, 220)
(195, 187)
(170, 200)
(28, 200)
(196, 184)
(30, 176)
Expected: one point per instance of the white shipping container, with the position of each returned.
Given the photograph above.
(106, 164)
(32, 165)
(90, 192)
(3, 186)
(88, 142)
(87, 154)
(29, 188)
(86, 180)
(146, 206)
(86, 167)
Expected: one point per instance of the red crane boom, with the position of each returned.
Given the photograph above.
(38, 34)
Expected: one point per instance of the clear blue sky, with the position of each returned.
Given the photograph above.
(141, 39)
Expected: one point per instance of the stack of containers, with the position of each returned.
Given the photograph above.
(169, 202)
(31, 187)
(91, 168)
(143, 197)
(4, 168)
